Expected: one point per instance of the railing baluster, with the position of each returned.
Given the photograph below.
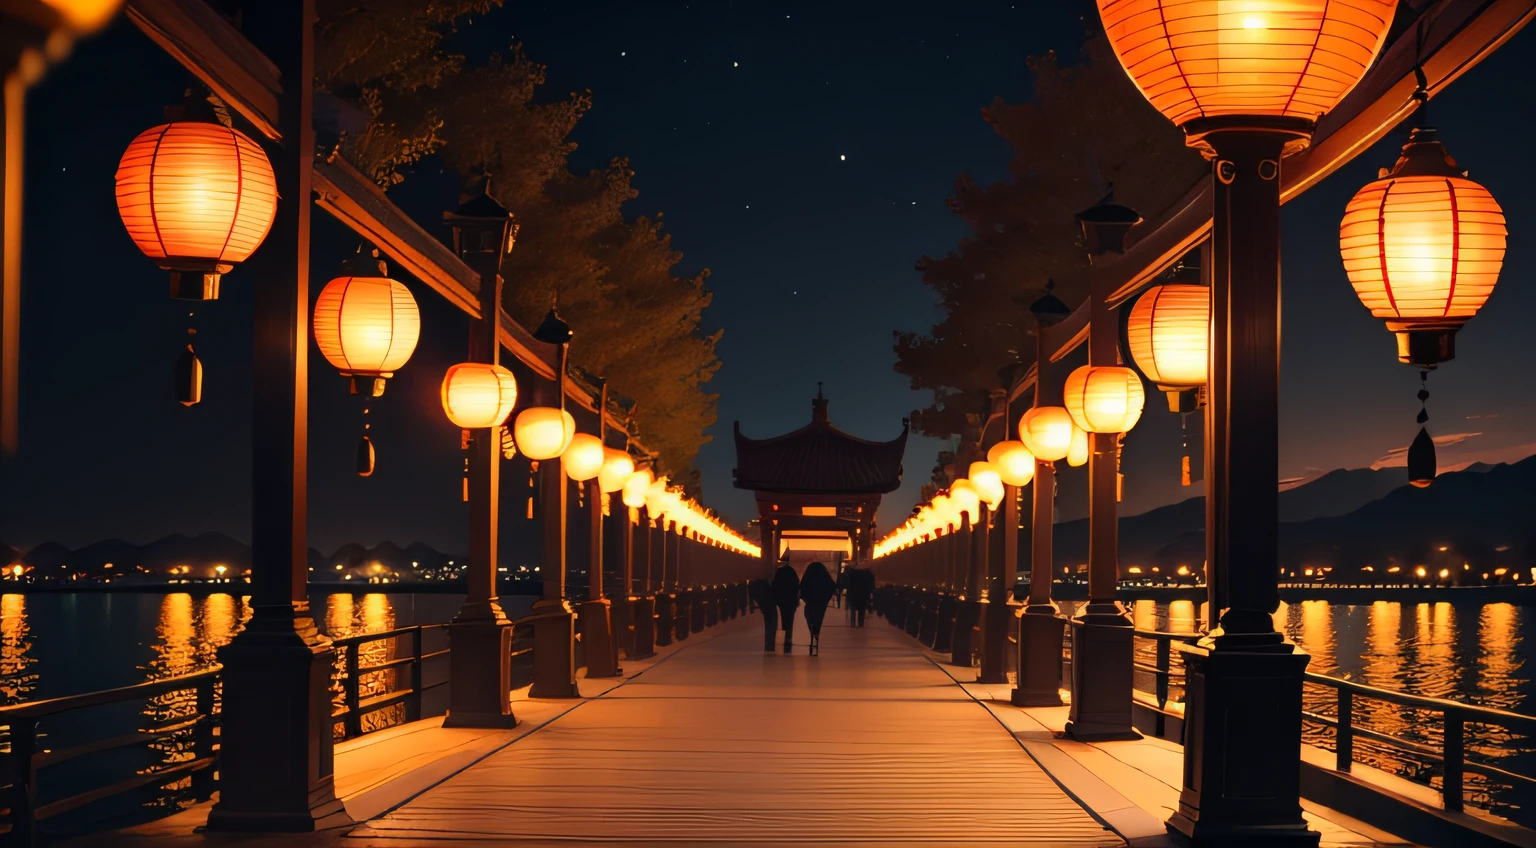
(1164, 663)
(202, 740)
(1455, 751)
(1344, 753)
(351, 722)
(413, 703)
(24, 782)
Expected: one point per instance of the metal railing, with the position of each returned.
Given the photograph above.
(27, 757)
(1451, 754)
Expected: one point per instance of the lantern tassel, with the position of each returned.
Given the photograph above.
(1421, 454)
(365, 457)
(189, 376)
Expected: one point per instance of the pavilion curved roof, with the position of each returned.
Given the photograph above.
(819, 459)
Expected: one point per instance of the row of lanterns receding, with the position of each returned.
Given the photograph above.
(198, 196)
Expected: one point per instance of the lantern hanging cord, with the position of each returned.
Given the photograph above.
(1423, 396)
(1421, 97)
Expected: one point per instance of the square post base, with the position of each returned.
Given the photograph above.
(1102, 674)
(620, 615)
(665, 609)
(699, 610)
(682, 614)
(997, 619)
(480, 674)
(1242, 729)
(1038, 683)
(276, 766)
(944, 627)
(962, 644)
(601, 654)
(554, 650)
(643, 613)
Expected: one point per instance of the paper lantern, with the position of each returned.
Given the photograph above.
(1216, 58)
(1423, 247)
(1168, 333)
(583, 458)
(943, 512)
(988, 483)
(965, 501)
(1014, 463)
(367, 328)
(84, 16)
(1046, 432)
(196, 197)
(1077, 454)
(636, 486)
(616, 471)
(1104, 398)
(543, 432)
(477, 395)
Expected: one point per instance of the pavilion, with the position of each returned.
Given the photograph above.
(818, 487)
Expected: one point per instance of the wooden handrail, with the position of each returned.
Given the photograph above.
(148, 689)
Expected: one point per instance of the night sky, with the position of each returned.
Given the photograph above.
(803, 152)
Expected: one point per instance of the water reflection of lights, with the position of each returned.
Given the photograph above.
(18, 679)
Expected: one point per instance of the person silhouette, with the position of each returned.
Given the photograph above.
(786, 596)
(817, 588)
(761, 592)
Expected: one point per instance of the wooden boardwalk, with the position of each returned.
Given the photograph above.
(722, 743)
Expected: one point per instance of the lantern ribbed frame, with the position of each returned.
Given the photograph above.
(477, 395)
(1218, 58)
(196, 196)
(1168, 333)
(1423, 250)
(583, 458)
(1104, 398)
(1013, 461)
(543, 432)
(636, 487)
(1046, 432)
(366, 325)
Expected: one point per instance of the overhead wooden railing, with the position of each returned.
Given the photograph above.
(218, 54)
(1448, 38)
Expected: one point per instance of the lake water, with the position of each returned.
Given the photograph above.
(61, 644)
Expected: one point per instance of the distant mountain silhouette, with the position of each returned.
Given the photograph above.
(1353, 518)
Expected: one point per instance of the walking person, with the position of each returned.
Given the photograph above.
(786, 596)
(761, 593)
(817, 589)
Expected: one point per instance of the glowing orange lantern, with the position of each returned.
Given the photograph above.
(965, 500)
(367, 327)
(1047, 432)
(1218, 58)
(1168, 333)
(636, 488)
(196, 197)
(1104, 398)
(1077, 454)
(477, 395)
(616, 471)
(583, 458)
(1423, 247)
(988, 483)
(543, 432)
(1014, 463)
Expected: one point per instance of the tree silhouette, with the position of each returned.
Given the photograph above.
(636, 321)
(1086, 127)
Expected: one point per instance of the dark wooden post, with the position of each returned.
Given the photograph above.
(645, 600)
(554, 624)
(480, 635)
(276, 759)
(1244, 692)
(597, 638)
(664, 598)
(968, 610)
(1102, 642)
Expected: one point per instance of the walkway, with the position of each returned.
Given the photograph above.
(869, 742)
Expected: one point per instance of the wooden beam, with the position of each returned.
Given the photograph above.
(217, 53)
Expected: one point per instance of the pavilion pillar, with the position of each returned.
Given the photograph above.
(277, 764)
(664, 598)
(1102, 648)
(554, 624)
(644, 609)
(599, 648)
(1037, 681)
(956, 547)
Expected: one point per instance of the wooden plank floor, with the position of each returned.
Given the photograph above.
(722, 743)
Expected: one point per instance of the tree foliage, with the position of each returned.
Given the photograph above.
(637, 322)
(1087, 127)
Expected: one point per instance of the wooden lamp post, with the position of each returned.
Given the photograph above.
(554, 628)
(1247, 82)
(478, 395)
